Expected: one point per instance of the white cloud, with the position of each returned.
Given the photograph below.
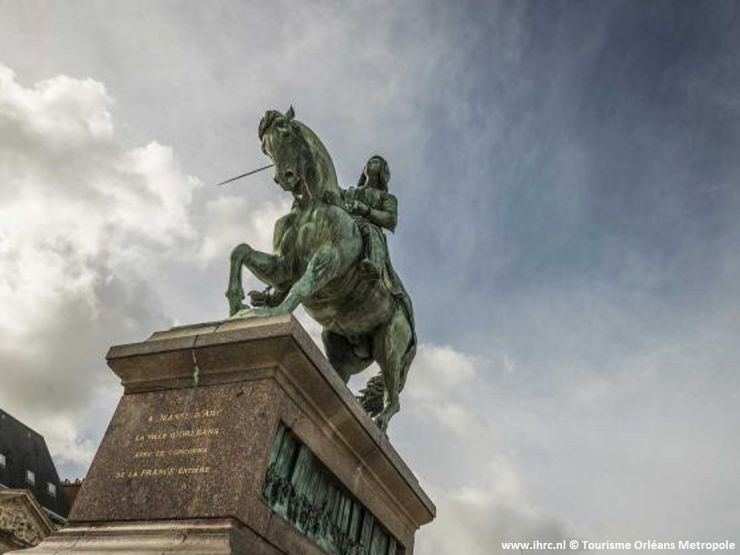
(230, 220)
(437, 385)
(73, 112)
(438, 369)
(481, 496)
(477, 519)
(86, 224)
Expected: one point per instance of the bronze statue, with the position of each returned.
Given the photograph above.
(373, 208)
(320, 260)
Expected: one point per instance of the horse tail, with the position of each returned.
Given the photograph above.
(371, 398)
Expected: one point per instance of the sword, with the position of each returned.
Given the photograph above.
(244, 175)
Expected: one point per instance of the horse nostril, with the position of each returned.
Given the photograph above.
(275, 179)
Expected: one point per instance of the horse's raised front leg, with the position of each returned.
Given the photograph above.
(235, 292)
(268, 268)
(322, 268)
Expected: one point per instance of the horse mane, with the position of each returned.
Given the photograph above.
(326, 178)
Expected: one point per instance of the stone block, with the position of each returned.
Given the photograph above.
(191, 461)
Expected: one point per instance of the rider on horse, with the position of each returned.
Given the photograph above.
(373, 208)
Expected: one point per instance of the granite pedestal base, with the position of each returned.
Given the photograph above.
(238, 437)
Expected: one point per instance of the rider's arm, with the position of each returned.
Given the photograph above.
(336, 198)
(386, 215)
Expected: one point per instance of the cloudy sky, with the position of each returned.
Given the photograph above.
(568, 181)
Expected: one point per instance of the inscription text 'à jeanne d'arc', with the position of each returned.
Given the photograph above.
(161, 448)
(330, 255)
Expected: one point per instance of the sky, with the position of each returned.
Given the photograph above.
(567, 176)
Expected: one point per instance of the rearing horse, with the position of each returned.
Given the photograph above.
(316, 262)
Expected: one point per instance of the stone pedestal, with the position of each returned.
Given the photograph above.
(239, 437)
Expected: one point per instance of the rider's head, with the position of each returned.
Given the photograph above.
(376, 166)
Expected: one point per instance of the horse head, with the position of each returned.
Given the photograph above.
(302, 163)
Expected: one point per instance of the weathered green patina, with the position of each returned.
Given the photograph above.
(330, 256)
(300, 488)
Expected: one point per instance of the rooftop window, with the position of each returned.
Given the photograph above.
(3, 461)
(30, 477)
(51, 489)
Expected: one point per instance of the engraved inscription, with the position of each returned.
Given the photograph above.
(159, 472)
(172, 444)
(194, 415)
(171, 452)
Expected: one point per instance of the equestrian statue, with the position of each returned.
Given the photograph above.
(330, 255)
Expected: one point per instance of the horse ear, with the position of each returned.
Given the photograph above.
(290, 114)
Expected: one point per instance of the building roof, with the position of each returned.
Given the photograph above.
(25, 463)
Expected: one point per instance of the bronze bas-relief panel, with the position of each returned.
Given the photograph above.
(182, 453)
(325, 436)
(302, 490)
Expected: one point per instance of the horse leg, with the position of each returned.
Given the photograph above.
(341, 355)
(268, 268)
(389, 348)
(325, 265)
(235, 292)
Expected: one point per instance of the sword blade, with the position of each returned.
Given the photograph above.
(244, 175)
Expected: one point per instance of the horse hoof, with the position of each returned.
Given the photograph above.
(244, 312)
